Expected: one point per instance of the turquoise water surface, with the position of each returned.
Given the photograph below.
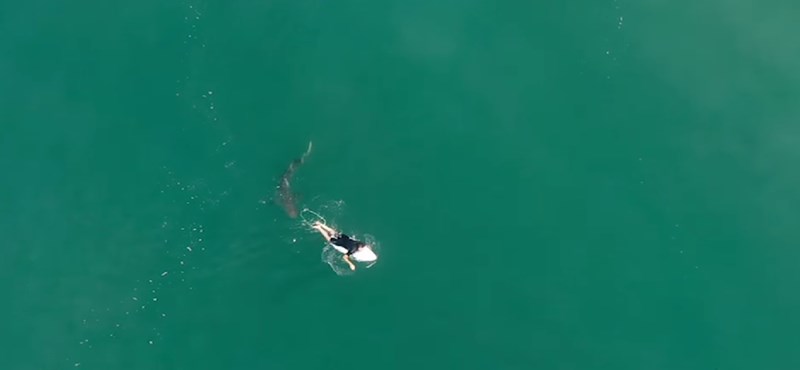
(579, 185)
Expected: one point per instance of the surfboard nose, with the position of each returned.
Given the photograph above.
(365, 254)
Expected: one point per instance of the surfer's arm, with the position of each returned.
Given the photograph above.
(346, 258)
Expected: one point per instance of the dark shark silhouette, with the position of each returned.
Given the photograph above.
(285, 197)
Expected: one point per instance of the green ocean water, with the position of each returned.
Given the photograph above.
(553, 185)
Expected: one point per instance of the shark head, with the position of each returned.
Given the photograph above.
(291, 210)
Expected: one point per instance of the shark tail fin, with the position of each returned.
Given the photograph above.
(306, 154)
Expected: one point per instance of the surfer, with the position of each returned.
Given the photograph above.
(346, 245)
(286, 197)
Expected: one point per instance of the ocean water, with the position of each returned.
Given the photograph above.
(580, 185)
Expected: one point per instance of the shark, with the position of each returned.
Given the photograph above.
(285, 196)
